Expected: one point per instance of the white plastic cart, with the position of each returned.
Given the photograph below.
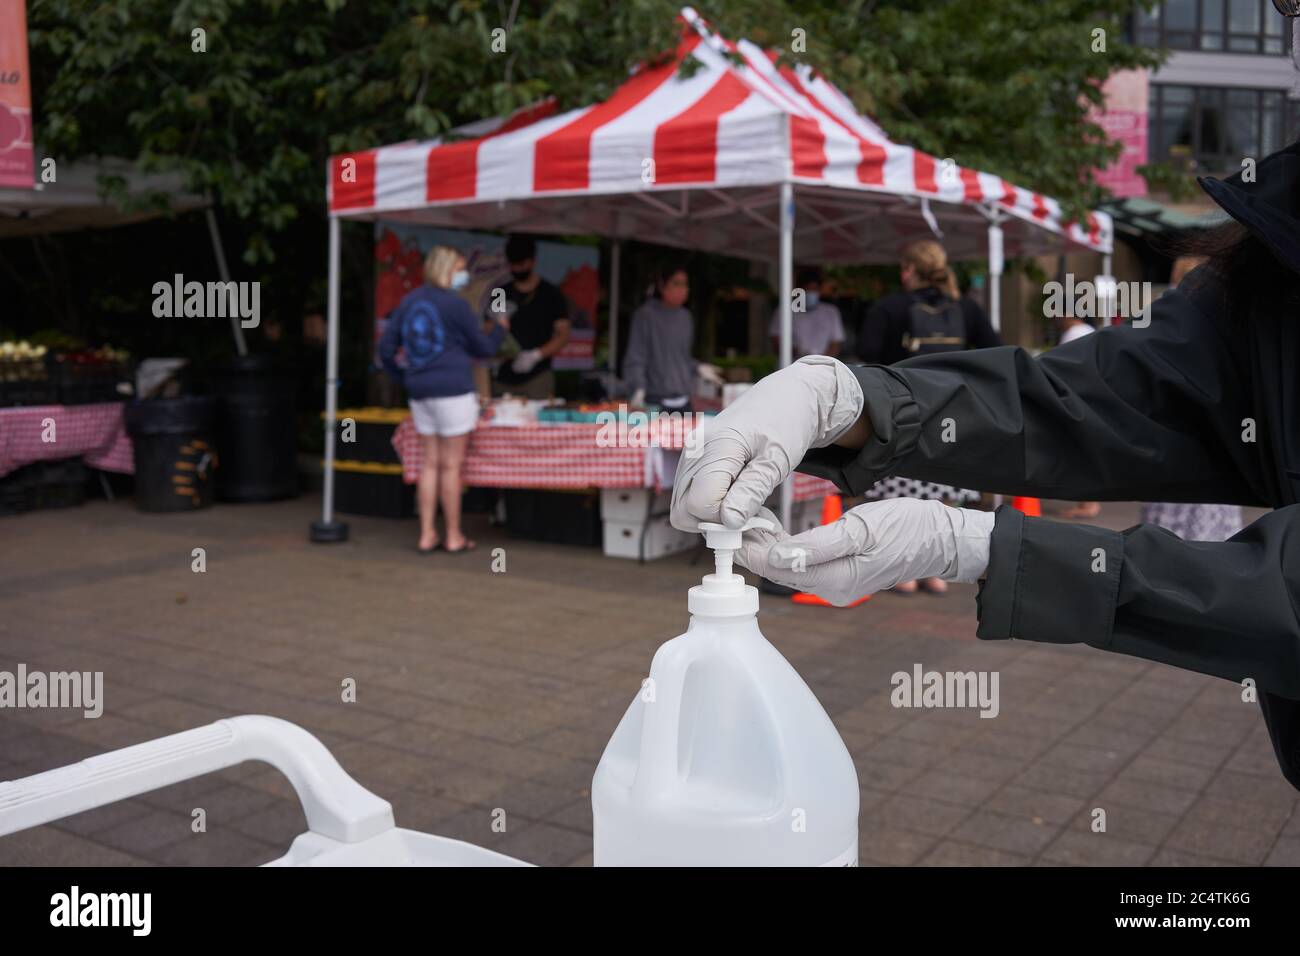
(347, 825)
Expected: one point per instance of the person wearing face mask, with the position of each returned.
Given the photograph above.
(440, 335)
(657, 366)
(818, 328)
(539, 321)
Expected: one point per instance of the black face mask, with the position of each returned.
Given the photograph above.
(519, 275)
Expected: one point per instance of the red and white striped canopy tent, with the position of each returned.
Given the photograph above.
(697, 162)
(739, 157)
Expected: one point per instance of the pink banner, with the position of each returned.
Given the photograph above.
(17, 164)
(1125, 122)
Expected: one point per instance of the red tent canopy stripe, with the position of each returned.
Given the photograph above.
(352, 176)
(872, 168)
(685, 147)
(738, 120)
(563, 158)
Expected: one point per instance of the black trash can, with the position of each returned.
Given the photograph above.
(256, 431)
(175, 452)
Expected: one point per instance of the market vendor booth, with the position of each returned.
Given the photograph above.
(742, 157)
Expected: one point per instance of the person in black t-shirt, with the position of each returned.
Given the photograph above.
(538, 315)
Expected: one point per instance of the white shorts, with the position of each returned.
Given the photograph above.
(447, 417)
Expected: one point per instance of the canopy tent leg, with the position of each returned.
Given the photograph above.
(223, 270)
(615, 261)
(327, 529)
(995, 272)
(787, 319)
(1108, 314)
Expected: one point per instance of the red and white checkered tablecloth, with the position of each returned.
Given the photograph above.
(96, 432)
(569, 455)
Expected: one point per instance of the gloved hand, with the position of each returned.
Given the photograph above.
(736, 459)
(710, 373)
(638, 398)
(526, 360)
(873, 547)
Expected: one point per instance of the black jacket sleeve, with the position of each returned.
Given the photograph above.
(1152, 413)
(1157, 413)
(1227, 608)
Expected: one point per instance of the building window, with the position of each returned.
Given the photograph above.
(1212, 129)
(1230, 26)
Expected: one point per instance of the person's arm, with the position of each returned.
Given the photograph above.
(884, 335)
(478, 343)
(1128, 413)
(1222, 608)
(837, 332)
(636, 356)
(559, 338)
(389, 343)
(980, 333)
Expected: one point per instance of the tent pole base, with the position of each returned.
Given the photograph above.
(329, 532)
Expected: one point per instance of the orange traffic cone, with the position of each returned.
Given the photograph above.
(1031, 507)
(832, 510)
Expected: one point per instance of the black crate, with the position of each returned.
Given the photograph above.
(88, 384)
(28, 393)
(557, 517)
(372, 493)
(373, 441)
(17, 493)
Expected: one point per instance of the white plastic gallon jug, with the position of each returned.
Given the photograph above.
(725, 758)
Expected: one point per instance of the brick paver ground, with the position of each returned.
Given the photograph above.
(479, 690)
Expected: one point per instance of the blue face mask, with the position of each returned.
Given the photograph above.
(812, 300)
(459, 279)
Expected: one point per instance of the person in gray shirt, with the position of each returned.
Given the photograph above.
(658, 367)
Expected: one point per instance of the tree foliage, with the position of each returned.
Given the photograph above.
(1001, 85)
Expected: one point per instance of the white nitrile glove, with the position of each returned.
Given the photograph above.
(526, 360)
(737, 459)
(873, 547)
(710, 373)
(638, 398)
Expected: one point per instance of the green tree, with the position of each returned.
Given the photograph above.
(1002, 85)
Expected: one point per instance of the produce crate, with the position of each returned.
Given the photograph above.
(371, 488)
(61, 484)
(17, 493)
(78, 384)
(558, 517)
(26, 392)
(43, 484)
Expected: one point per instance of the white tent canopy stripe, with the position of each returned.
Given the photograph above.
(696, 162)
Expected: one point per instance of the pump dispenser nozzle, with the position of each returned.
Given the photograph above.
(725, 592)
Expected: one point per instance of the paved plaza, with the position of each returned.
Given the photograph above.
(479, 691)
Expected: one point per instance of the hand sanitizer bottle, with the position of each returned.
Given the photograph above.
(725, 757)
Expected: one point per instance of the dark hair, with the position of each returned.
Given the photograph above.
(1247, 274)
(809, 275)
(521, 249)
(666, 270)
